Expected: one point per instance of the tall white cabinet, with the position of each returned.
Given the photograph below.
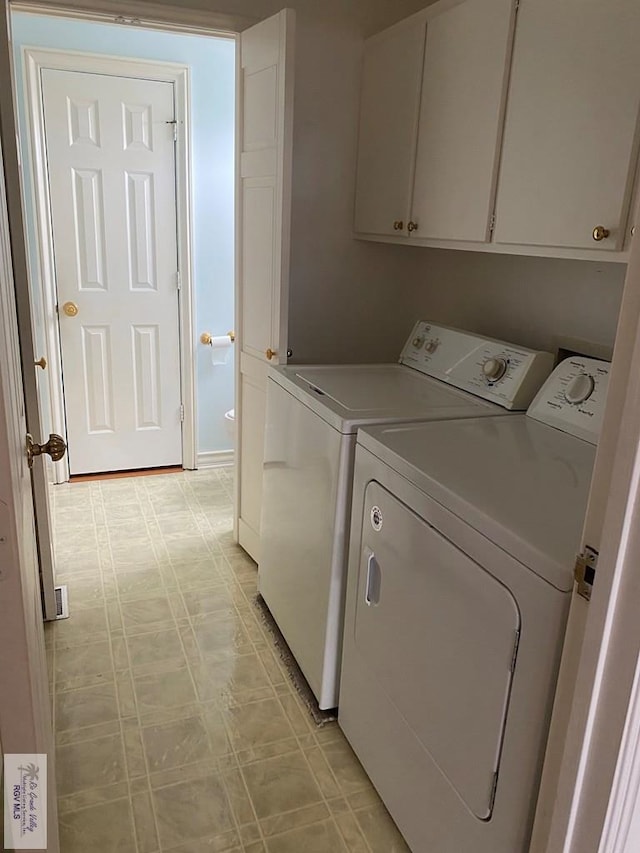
(524, 137)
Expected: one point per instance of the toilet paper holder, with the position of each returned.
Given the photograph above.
(206, 338)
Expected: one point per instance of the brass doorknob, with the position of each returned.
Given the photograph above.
(398, 225)
(70, 309)
(600, 233)
(55, 447)
(41, 362)
(412, 226)
(270, 353)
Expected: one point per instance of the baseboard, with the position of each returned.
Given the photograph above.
(215, 459)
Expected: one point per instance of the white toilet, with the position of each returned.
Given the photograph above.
(230, 418)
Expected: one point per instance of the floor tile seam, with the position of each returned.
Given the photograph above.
(80, 729)
(88, 806)
(352, 812)
(127, 635)
(249, 800)
(303, 750)
(144, 752)
(337, 784)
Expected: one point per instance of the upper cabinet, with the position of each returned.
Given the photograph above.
(512, 126)
(570, 133)
(461, 110)
(392, 76)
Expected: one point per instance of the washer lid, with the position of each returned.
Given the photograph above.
(522, 484)
(350, 396)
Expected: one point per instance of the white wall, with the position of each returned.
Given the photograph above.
(345, 294)
(532, 301)
(352, 300)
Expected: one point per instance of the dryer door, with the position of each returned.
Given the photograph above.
(439, 633)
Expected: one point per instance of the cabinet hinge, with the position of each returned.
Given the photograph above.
(585, 571)
(178, 280)
(492, 223)
(516, 643)
(181, 413)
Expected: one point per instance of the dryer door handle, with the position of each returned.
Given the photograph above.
(374, 577)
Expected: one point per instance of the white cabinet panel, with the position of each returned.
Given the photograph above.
(251, 438)
(460, 119)
(570, 124)
(263, 228)
(392, 74)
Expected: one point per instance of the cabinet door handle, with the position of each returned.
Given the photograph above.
(398, 225)
(412, 226)
(600, 233)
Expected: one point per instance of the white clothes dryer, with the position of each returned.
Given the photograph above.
(463, 541)
(312, 416)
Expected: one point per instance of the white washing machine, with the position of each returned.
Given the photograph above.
(312, 416)
(463, 542)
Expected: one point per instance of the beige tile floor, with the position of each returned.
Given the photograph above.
(176, 727)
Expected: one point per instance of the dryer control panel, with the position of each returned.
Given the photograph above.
(573, 397)
(501, 372)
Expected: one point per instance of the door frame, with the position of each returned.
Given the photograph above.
(34, 61)
(25, 711)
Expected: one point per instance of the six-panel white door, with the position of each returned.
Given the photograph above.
(111, 164)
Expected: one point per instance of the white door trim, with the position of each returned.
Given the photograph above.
(598, 776)
(36, 59)
(140, 13)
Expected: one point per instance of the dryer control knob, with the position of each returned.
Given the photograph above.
(494, 369)
(580, 388)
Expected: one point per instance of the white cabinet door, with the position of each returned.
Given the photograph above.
(571, 124)
(461, 111)
(264, 204)
(392, 74)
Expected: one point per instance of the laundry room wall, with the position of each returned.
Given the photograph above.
(356, 301)
(537, 302)
(212, 64)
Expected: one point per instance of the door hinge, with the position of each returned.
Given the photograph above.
(181, 413)
(517, 5)
(585, 571)
(174, 122)
(492, 223)
(178, 280)
(516, 643)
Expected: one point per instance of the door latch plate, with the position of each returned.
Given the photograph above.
(585, 571)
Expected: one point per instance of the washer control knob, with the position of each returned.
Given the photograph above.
(580, 388)
(432, 345)
(417, 342)
(494, 369)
